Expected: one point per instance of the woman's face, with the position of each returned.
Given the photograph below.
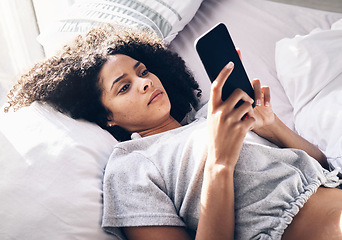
(135, 97)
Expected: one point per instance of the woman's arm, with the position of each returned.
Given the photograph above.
(226, 134)
(269, 126)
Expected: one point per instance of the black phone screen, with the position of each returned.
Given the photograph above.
(215, 49)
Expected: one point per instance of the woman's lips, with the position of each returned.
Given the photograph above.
(156, 94)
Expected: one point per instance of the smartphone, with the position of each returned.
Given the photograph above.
(215, 49)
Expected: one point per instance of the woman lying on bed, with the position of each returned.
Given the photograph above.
(198, 180)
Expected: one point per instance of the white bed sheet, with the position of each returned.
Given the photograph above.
(255, 26)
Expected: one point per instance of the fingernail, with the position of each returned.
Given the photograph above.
(258, 102)
(267, 104)
(230, 65)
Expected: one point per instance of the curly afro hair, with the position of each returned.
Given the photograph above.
(69, 81)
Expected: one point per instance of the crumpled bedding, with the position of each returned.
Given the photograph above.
(309, 68)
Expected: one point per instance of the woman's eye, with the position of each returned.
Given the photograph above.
(145, 72)
(124, 88)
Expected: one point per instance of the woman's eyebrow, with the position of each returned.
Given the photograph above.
(136, 65)
(117, 80)
(123, 75)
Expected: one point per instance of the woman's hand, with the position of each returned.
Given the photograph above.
(227, 127)
(263, 111)
(269, 126)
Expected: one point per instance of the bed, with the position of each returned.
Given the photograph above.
(52, 166)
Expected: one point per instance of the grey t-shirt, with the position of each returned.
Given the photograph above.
(157, 180)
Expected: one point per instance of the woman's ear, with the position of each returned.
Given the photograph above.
(110, 122)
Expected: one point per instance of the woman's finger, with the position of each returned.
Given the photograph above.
(239, 52)
(239, 95)
(243, 110)
(267, 96)
(249, 121)
(216, 87)
(257, 91)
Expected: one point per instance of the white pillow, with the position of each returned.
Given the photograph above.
(166, 18)
(51, 175)
(310, 70)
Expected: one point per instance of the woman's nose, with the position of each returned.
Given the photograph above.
(146, 84)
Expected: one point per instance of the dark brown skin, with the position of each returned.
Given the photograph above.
(319, 219)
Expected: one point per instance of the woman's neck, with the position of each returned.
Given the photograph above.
(167, 125)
